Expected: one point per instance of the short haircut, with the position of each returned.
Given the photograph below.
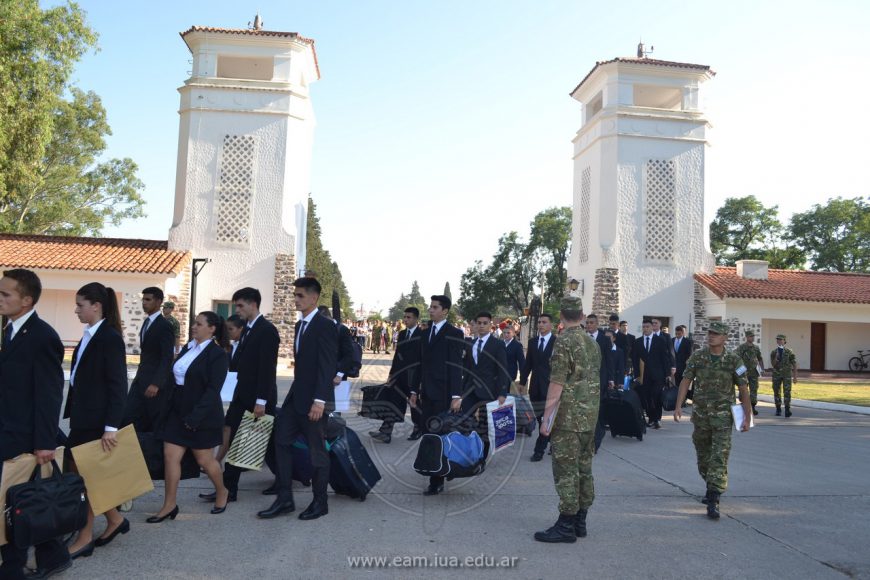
(248, 295)
(27, 281)
(647, 322)
(444, 301)
(681, 327)
(614, 318)
(413, 310)
(654, 319)
(593, 316)
(154, 291)
(483, 314)
(572, 315)
(546, 315)
(310, 284)
(625, 322)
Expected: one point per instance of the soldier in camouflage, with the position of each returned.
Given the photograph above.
(168, 307)
(569, 419)
(784, 365)
(750, 354)
(716, 371)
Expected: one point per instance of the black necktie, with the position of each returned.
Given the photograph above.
(434, 332)
(479, 348)
(541, 348)
(144, 330)
(301, 332)
(7, 335)
(647, 344)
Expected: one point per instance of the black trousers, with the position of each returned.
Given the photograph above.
(288, 426)
(49, 554)
(232, 474)
(146, 414)
(433, 408)
(651, 397)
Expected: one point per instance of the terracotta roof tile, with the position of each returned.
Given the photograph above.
(252, 32)
(801, 285)
(649, 61)
(92, 254)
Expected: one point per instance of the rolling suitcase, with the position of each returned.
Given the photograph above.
(384, 403)
(623, 412)
(303, 471)
(351, 471)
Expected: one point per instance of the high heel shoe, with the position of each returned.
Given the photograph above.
(157, 519)
(219, 510)
(122, 528)
(83, 552)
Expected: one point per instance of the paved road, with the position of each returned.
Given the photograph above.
(797, 507)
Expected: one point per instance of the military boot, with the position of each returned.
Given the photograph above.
(706, 499)
(754, 410)
(580, 523)
(713, 505)
(787, 411)
(561, 532)
(778, 411)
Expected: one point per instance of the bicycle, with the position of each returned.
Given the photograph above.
(858, 363)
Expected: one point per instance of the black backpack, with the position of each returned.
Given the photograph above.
(355, 368)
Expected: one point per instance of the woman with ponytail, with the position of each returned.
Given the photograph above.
(97, 394)
(196, 413)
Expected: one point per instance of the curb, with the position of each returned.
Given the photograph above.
(822, 405)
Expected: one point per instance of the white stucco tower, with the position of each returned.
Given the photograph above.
(638, 232)
(244, 156)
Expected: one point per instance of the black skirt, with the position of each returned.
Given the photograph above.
(174, 431)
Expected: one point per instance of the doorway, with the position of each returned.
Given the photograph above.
(818, 332)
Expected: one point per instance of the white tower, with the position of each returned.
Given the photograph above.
(244, 155)
(638, 232)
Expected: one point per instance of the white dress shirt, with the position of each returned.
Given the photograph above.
(479, 344)
(179, 369)
(19, 322)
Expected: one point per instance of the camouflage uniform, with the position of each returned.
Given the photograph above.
(783, 369)
(176, 326)
(711, 415)
(750, 354)
(575, 364)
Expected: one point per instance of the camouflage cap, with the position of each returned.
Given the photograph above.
(718, 328)
(749, 333)
(571, 303)
(169, 305)
(780, 337)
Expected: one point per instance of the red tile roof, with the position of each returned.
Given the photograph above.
(92, 254)
(252, 32)
(649, 61)
(801, 285)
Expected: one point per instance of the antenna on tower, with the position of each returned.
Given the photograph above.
(258, 23)
(642, 52)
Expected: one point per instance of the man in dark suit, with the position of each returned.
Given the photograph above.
(148, 393)
(628, 345)
(256, 362)
(344, 361)
(306, 408)
(607, 375)
(537, 365)
(622, 341)
(441, 380)
(618, 359)
(682, 351)
(661, 332)
(31, 391)
(486, 377)
(516, 358)
(654, 353)
(405, 375)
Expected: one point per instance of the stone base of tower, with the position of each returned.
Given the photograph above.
(284, 305)
(181, 298)
(605, 298)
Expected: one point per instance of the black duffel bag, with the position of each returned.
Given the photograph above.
(384, 402)
(44, 508)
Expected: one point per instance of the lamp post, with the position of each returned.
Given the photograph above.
(196, 268)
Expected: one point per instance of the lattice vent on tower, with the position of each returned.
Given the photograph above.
(235, 189)
(583, 234)
(660, 219)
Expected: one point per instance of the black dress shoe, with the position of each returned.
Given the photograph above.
(49, 572)
(434, 489)
(157, 519)
(123, 528)
(219, 510)
(415, 434)
(271, 490)
(315, 510)
(537, 456)
(382, 437)
(211, 497)
(656, 425)
(277, 508)
(83, 552)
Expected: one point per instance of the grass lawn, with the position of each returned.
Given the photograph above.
(853, 394)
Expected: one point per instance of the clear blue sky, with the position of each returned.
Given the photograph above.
(442, 125)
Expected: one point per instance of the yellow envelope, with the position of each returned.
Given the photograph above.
(17, 471)
(114, 477)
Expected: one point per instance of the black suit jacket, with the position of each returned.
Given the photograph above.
(487, 379)
(682, 354)
(345, 350)
(606, 370)
(670, 342)
(256, 361)
(405, 371)
(619, 366)
(538, 366)
(316, 361)
(624, 342)
(516, 359)
(31, 389)
(657, 362)
(155, 356)
(441, 360)
(96, 400)
(198, 401)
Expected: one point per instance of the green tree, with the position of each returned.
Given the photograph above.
(453, 313)
(327, 270)
(835, 236)
(413, 298)
(503, 287)
(50, 180)
(744, 229)
(550, 241)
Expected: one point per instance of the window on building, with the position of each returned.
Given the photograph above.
(670, 98)
(659, 209)
(585, 208)
(247, 68)
(235, 190)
